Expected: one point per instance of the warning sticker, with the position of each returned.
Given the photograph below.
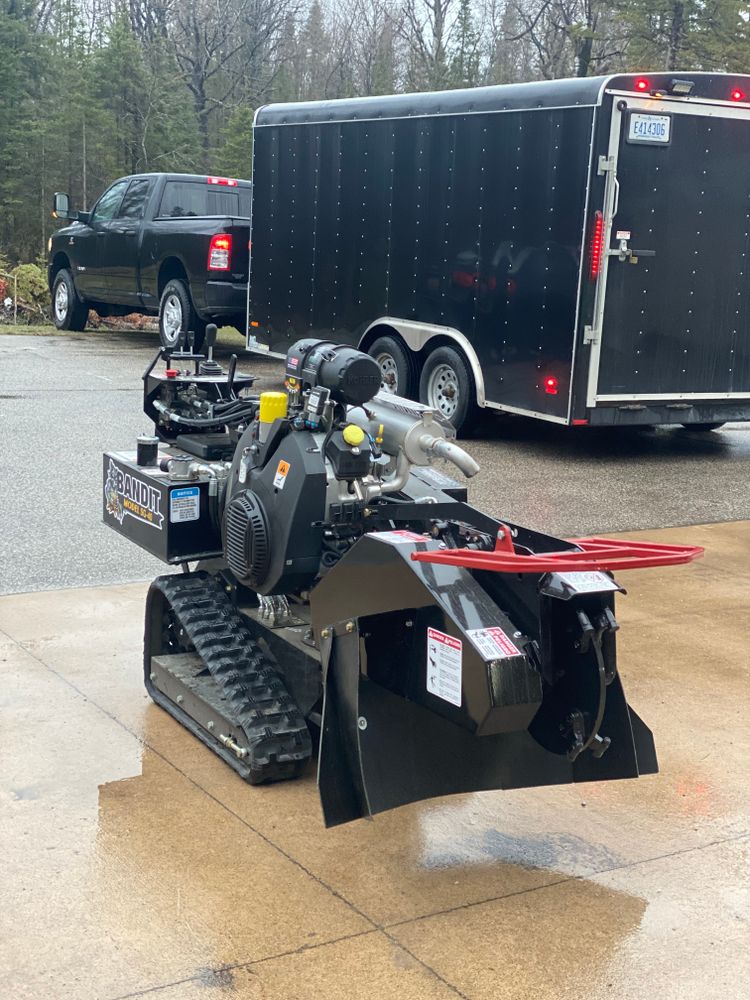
(399, 537)
(282, 471)
(588, 582)
(185, 504)
(444, 654)
(493, 643)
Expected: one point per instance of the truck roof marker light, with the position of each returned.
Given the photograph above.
(224, 181)
(738, 95)
(550, 385)
(642, 84)
(220, 252)
(596, 246)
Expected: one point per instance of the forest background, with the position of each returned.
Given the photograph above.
(94, 89)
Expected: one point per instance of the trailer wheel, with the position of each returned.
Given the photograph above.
(69, 312)
(705, 427)
(176, 314)
(397, 367)
(447, 385)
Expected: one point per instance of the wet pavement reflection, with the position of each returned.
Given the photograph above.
(134, 862)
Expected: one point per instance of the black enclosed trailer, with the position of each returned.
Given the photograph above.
(573, 250)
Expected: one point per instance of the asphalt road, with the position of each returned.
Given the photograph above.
(66, 399)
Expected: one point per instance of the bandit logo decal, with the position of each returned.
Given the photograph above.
(125, 494)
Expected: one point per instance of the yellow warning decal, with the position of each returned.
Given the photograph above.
(282, 471)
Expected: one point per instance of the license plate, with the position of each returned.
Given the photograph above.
(649, 128)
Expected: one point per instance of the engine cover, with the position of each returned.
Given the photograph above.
(273, 534)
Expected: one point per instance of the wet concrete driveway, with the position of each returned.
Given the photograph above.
(134, 863)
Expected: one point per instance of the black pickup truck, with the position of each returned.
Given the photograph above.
(176, 245)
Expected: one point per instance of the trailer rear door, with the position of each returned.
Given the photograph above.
(672, 321)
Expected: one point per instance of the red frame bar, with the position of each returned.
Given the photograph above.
(591, 554)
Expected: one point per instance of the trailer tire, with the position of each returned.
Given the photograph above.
(177, 314)
(397, 366)
(713, 426)
(68, 310)
(447, 385)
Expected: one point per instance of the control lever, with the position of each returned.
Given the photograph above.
(209, 366)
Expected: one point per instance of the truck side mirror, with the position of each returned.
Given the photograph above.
(60, 205)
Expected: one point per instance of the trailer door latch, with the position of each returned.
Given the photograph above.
(625, 252)
(606, 163)
(590, 335)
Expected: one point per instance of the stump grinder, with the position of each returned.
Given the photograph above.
(339, 596)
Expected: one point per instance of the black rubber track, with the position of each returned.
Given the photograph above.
(278, 739)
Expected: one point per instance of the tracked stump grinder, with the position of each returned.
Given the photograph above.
(339, 596)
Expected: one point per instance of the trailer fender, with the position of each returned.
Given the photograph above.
(417, 336)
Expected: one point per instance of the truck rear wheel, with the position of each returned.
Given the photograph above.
(397, 366)
(447, 385)
(705, 427)
(68, 311)
(177, 315)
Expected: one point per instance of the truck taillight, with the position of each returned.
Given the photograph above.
(220, 252)
(224, 181)
(597, 234)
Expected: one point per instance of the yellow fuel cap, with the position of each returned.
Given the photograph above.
(272, 405)
(353, 435)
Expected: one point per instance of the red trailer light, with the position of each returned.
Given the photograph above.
(220, 252)
(642, 84)
(550, 385)
(596, 246)
(225, 181)
(738, 95)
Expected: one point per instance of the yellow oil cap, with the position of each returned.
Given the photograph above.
(272, 405)
(353, 435)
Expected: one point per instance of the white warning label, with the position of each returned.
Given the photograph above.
(444, 654)
(399, 537)
(184, 504)
(588, 581)
(493, 643)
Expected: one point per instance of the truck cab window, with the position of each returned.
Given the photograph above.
(134, 203)
(109, 202)
(188, 199)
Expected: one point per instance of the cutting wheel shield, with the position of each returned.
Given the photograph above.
(192, 612)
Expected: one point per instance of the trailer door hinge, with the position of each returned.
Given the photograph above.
(606, 163)
(590, 335)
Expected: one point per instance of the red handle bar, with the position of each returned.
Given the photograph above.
(592, 554)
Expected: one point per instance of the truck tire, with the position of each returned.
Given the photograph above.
(705, 427)
(447, 385)
(397, 366)
(176, 315)
(68, 311)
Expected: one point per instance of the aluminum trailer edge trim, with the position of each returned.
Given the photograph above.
(714, 109)
(581, 266)
(436, 114)
(657, 398)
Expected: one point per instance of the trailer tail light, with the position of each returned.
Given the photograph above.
(224, 181)
(738, 95)
(597, 235)
(220, 252)
(550, 385)
(642, 84)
